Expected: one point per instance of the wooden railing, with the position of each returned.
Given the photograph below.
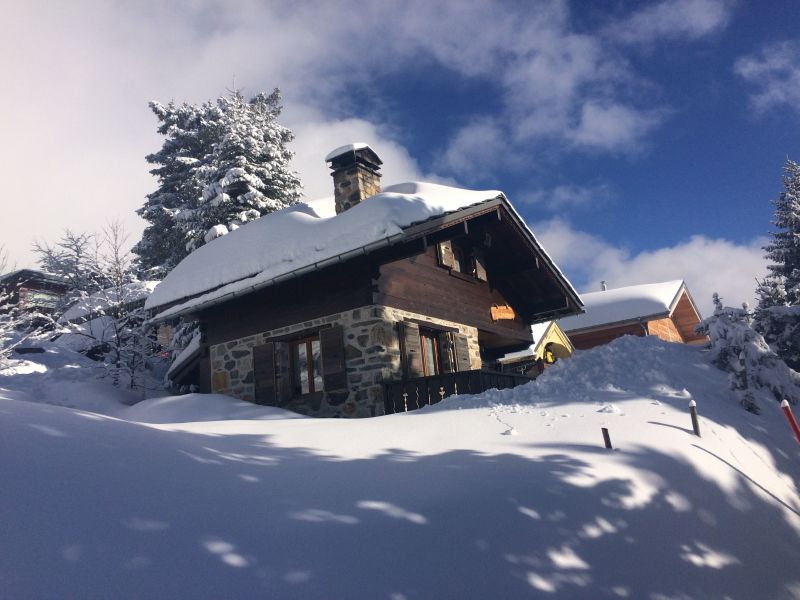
(411, 394)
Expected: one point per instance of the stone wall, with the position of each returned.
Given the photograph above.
(372, 357)
(353, 184)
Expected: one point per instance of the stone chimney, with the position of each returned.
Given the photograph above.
(356, 174)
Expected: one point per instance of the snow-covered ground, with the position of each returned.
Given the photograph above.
(502, 495)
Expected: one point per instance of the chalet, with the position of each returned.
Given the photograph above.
(33, 290)
(324, 306)
(550, 343)
(665, 310)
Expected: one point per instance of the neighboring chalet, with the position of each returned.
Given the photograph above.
(34, 290)
(324, 306)
(665, 310)
(550, 343)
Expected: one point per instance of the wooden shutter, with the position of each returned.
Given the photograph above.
(411, 347)
(334, 372)
(480, 264)
(264, 373)
(447, 352)
(462, 352)
(445, 252)
(283, 374)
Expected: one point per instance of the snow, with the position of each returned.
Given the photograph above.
(624, 304)
(537, 331)
(345, 149)
(215, 232)
(507, 494)
(299, 237)
(186, 354)
(100, 301)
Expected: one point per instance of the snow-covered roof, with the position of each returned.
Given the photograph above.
(34, 275)
(645, 301)
(305, 235)
(99, 301)
(345, 149)
(309, 236)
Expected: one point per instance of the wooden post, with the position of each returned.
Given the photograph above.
(606, 438)
(787, 410)
(695, 422)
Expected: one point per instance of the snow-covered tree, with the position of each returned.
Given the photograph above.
(222, 164)
(752, 365)
(105, 322)
(190, 133)
(248, 173)
(73, 257)
(777, 315)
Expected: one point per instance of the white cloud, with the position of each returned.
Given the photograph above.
(314, 138)
(568, 196)
(672, 19)
(475, 150)
(775, 73)
(614, 126)
(707, 265)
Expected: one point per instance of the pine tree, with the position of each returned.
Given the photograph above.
(222, 164)
(777, 316)
(190, 133)
(784, 249)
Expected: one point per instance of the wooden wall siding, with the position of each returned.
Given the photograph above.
(419, 284)
(686, 319)
(584, 341)
(664, 329)
(297, 301)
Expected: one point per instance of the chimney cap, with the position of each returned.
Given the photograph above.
(359, 147)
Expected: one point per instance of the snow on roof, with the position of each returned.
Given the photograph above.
(302, 236)
(34, 274)
(187, 354)
(131, 292)
(345, 149)
(624, 304)
(538, 331)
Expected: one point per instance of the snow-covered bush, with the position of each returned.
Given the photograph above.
(753, 366)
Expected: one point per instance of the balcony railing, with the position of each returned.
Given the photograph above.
(411, 394)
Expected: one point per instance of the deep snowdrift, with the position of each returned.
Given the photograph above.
(502, 495)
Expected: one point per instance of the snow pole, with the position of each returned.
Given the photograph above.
(787, 410)
(606, 438)
(695, 421)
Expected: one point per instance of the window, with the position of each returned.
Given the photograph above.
(306, 366)
(431, 352)
(462, 258)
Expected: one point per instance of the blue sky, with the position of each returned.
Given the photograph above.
(642, 141)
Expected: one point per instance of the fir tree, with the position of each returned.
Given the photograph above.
(784, 249)
(190, 133)
(222, 164)
(777, 316)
